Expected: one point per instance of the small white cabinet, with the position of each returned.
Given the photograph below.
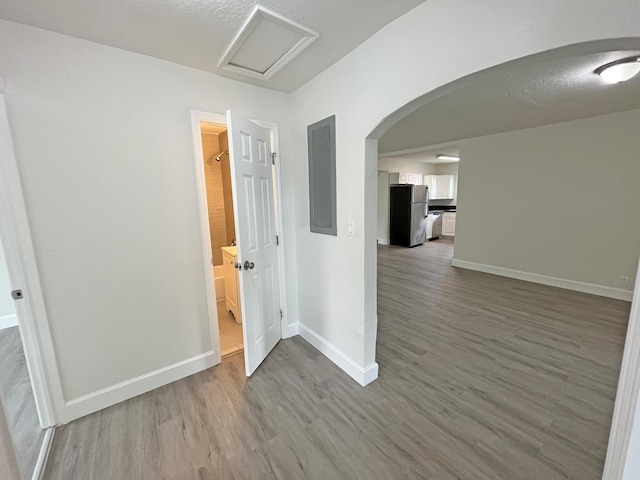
(231, 286)
(449, 224)
(402, 178)
(441, 187)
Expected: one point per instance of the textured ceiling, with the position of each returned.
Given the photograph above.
(428, 156)
(527, 93)
(196, 33)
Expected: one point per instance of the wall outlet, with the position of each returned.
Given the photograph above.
(624, 280)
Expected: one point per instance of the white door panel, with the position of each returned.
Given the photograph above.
(253, 194)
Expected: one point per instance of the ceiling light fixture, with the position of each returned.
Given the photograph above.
(620, 70)
(450, 158)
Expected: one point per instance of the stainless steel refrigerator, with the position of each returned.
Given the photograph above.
(408, 208)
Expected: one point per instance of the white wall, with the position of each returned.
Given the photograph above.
(403, 61)
(7, 308)
(104, 144)
(559, 200)
(383, 207)
(401, 164)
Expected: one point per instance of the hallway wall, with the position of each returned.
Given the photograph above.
(116, 232)
(368, 90)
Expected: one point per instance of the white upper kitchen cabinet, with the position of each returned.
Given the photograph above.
(431, 182)
(441, 187)
(410, 178)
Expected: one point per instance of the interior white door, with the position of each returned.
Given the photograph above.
(253, 203)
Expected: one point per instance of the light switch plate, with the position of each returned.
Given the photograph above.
(350, 227)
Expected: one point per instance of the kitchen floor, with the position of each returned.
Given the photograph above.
(230, 332)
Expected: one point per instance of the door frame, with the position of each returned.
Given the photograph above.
(198, 116)
(23, 274)
(627, 401)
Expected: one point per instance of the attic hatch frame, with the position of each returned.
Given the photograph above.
(258, 15)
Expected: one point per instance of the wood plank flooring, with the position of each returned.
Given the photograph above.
(481, 377)
(15, 388)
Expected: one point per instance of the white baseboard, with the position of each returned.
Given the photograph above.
(7, 321)
(583, 287)
(361, 375)
(106, 397)
(290, 331)
(383, 241)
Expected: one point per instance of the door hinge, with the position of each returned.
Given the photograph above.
(277, 240)
(280, 314)
(273, 157)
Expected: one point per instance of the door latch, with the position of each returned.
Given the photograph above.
(17, 294)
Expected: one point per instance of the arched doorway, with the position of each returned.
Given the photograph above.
(589, 105)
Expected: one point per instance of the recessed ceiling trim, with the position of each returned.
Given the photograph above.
(258, 15)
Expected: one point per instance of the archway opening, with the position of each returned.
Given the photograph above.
(546, 148)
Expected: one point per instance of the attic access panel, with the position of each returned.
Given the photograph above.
(266, 43)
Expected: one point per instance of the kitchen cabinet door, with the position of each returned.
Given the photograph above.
(445, 186)
(431, 182)
(231, 284)
(449, 224)
(414, 178)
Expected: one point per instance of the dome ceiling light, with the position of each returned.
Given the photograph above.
(620, 70)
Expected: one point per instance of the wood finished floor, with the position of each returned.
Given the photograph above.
(481, 377)
(15, 388)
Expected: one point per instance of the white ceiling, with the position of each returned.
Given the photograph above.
(529, 92)
(212, 128)
(427, 156)
(196, 33)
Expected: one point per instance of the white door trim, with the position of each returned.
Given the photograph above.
(197, 117)
(23, 274)
(626, 405)
(205, 232)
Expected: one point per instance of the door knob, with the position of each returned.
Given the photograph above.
(238, 265)
(248, 265)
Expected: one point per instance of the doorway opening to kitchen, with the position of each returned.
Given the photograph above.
(222, 232)
(433, 167)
